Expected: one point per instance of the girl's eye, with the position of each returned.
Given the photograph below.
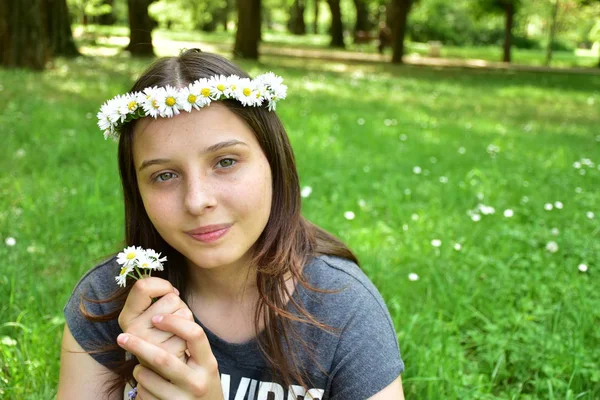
(226, 163)
(165, 176)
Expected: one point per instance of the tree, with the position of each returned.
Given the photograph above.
(296, 23)
(362, 16)
(140, 28)
(248, 34)
(60, 35)
(552, 31)
(399, 18)
(509, 9)
(23, 34)
(107, 18)
(316, 17)
(337, 29)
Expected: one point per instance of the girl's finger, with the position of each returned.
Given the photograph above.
(193, 334)
(163, 363)
(143, 394)
(154, 386)
(141, 295)
(175, 346)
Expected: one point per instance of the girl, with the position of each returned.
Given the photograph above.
(255, 302)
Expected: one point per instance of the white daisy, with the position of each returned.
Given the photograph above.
(203, 90)
(231, 85)
(558, 205)
(436, 242)
(509, 213)
(582, 267)
(306, 191)
(246, 92)
(548, 206)
(413, 277)
(218, 85)
(457, 246)
(157, 260)
(122, 277)
(10, 241)
(590, 215)
(167, 101)
(149, 102)
(349, 215)
(129, 255)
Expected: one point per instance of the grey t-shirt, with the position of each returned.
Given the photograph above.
(356, 362)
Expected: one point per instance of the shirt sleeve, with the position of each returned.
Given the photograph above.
(97, 284)
(367, 358)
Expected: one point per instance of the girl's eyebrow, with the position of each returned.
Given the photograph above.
(209, 149)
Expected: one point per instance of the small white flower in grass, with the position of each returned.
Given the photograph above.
(415, 217)
(407, 191)
(10, 241)
(417, 170)
(457, 246)
(590, 215)
(476, 217)
(558, 205)
(582, 267)
(554, 231)
(8, 341)
(349, 215)
(432, 160)
(20, 153)
(31, 249)
(413, 277)
(582, 172)
(360, 121)
(462, 150)
(403, 137)
(486, 210)
(306, 191)
(443, 179)
(436, 242)
(480, 196)
(524, 200)
(362, 203)
(552, 247)
(578, 190)
(509, 213)
(404, 227)
(577, 165)
(548, 206)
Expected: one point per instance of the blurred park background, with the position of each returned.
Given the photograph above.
(454, 145)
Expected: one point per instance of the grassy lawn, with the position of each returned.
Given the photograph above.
(420, 156)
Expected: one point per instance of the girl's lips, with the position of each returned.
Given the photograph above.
(209, 237)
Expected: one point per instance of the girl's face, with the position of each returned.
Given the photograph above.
(204, 171)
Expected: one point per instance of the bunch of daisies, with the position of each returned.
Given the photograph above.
(135, 259)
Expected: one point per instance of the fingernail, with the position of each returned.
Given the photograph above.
(176, 291)
(122, 338)
(157, 318)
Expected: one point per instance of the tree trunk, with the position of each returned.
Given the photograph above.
(60, 35)
(24, 34)
(337, 29)
(296, 24)
(247, 35)
(140, 27)
(400, 10)
(509, 11)
(316, 20)
(552, 32)
(108, 19)
(362, 17)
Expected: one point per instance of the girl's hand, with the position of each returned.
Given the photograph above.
(164, 376)
(135, 318)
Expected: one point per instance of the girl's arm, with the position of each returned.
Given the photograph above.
(80, 375)
(392, 392)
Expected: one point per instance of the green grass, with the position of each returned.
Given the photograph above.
(502, 318)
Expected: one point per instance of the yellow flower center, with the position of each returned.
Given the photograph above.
(170, 101)
(221, 87)
(155, 103)
(247, 92)
(233, 87)
(192, 98)
(123, 270)
(205, 92)
(145, 265)
(130, 255)
(132, 105)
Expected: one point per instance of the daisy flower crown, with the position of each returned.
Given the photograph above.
(266, 89)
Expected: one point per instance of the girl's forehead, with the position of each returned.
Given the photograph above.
(200, 128)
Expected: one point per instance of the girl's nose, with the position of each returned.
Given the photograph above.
(199, 196)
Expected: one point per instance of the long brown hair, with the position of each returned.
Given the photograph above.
(284, 247)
